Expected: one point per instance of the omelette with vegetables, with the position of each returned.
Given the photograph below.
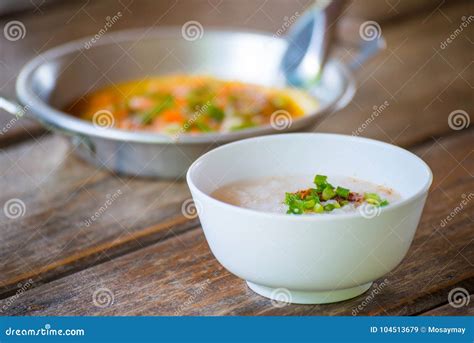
(191, 105)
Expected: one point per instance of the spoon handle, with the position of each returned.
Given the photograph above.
(309, 42)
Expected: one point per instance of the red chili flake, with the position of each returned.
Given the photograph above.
(304, 193)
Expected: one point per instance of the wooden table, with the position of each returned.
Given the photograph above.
(143, 257)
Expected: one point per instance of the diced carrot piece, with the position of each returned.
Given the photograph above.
(120, 114)
(102, 100)
(172, 116)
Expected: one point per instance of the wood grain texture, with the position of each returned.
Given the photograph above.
(458, 310)
(421, 82)
(75, 215)
(180, 276)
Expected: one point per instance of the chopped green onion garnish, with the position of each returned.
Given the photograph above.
(320, 180)
(373, 202)
(295, 204)
(296, 210)
(314, 194)
(309, 204)
(318, 208)
(289, 197)
(329, 207)
(375, 199)
(373, 196)
(328, 193)
(342, 192)
(309, 200)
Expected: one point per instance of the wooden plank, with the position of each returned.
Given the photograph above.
(393, 10)
(181, 277)
(74, 215)
(464, 308)
(421, 82)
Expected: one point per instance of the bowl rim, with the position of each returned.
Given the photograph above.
(283, 216)
(69, 124)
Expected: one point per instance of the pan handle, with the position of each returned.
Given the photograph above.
(366, 51)
(13, 107)
(18, 111)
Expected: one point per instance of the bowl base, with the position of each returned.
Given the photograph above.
(308, 297)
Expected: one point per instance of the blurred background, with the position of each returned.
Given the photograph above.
(419, 73)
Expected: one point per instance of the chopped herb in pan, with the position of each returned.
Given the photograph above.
(148, 116)
(215, 113)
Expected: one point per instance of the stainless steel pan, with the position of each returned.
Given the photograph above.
(59, 76)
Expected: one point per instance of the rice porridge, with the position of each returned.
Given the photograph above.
(297, 194)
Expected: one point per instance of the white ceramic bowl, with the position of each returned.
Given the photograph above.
(314, 258)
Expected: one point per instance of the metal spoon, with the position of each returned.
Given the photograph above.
(309, 43)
